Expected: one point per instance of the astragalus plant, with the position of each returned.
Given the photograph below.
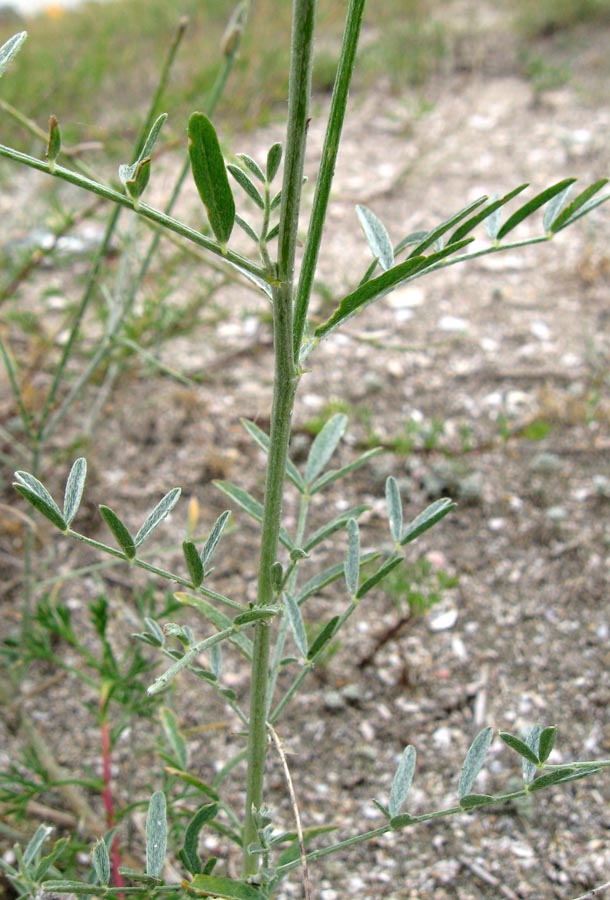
(272, 633)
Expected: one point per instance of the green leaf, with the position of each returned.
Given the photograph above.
(474, 760)
(295, 619)
(120, 531)
(214, 537)
(54, 142)
(251, 506)
(326, 634)
(247, 228)
(565, 773)
(402, 821)
(491, 210)
(369, 291)
(224, 888)
(193, 781)
(535, 203)
(35, 844)
(554, 208)
(519, 746)
(433, 236)
(175, 738)
(394, 507)
(74, 489)
(139, 877)
(153, 134)
(246, 184)
(217, 618)
(254, 167)
(426, 519)
(402, 781)
(260, 438)
(161, 510)
(581, 204)
(474, 801)
(532, 739)
(135, 178)
(156, 834)
(274, 158)
(10, 49)
(335, 474)
(352, 563)
(35, 493)
(382, 572)
(324, 445)
(189, 854)
(546, 742)
(377, 237)
(256, 614)
(383, 284)
(210, 176)
(101, 861)
(272, 233)
(193, 562)
(334, 525)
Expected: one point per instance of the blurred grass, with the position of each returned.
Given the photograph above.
(95, 67)
(541, 18)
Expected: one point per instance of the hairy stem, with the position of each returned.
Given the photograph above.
(284, 389)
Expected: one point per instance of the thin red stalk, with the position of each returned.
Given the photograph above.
(115, 852)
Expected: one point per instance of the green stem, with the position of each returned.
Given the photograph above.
(284, 389)
(147, 212)
(327, 167)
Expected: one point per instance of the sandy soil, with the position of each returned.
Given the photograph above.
(497, 373)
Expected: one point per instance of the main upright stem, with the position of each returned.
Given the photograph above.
(284, 390)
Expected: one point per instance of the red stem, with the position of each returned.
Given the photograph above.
(115, 852)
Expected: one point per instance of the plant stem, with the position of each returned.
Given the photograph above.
(284, 389)
(147, 212)
(330, 149)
